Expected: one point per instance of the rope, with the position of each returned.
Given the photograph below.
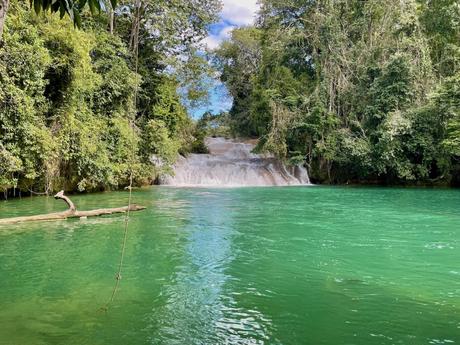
(130, 187)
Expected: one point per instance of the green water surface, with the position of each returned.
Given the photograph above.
(295, 265)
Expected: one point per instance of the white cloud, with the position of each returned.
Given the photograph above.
(234, 13)
(213, 41)
(239, 12)
(225, 32)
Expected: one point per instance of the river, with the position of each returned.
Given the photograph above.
(274, 265)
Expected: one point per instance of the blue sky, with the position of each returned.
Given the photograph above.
(235, 13)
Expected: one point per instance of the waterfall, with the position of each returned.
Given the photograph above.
(231, 163)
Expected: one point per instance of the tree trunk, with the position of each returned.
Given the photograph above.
(111, 16)
(69, 202)
(134, 36)
(3, 11)
(70, 213)
(111, 20)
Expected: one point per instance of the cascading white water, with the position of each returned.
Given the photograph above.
(231, 163)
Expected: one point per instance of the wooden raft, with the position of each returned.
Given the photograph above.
(70, 213)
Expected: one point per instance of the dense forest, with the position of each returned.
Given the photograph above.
(359, 91)
(83, 108)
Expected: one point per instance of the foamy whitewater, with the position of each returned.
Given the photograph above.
(231, 163)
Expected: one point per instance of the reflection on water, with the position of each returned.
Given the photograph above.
(197, 306)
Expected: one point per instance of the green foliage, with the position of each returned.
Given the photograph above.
(440, 21)
(23, 135)
(239, 61)
(72, 8)
(157, 140)
(168, 108)
(68, 113)
(196, 78)
(199, 145)
(10, 166)
(216, 125)
(116, 90)
(446, 105)
(389, 91)
(210, 125)
(357, 90)
(200, 133)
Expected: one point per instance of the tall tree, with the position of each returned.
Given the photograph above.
(66, 95)
(4, 4)
(239, 60)
(346, 86)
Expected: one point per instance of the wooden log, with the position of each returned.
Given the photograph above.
(72, 212)
(69, 202)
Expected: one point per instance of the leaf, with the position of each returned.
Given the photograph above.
(62, 10)
(98, 4)
(46, 5)
(92, 6)
(77, 18)
(69, 10)
(56, 5)
(37, 6)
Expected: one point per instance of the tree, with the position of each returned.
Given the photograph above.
(346, 86)
(440, 23)
(68, 112)
(72, 8)
(4, 4)
(238, 60)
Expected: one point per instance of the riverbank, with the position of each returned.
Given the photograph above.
(232, 162)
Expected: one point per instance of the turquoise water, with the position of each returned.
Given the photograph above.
(294, 265)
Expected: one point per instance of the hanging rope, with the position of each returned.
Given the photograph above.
(130, 187)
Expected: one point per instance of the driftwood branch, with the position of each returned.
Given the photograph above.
(71, 212)
(69, 202)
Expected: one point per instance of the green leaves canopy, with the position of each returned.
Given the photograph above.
(357, 90)
(67, 97)
(72, 8)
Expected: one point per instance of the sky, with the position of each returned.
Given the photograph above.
(235, 13)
